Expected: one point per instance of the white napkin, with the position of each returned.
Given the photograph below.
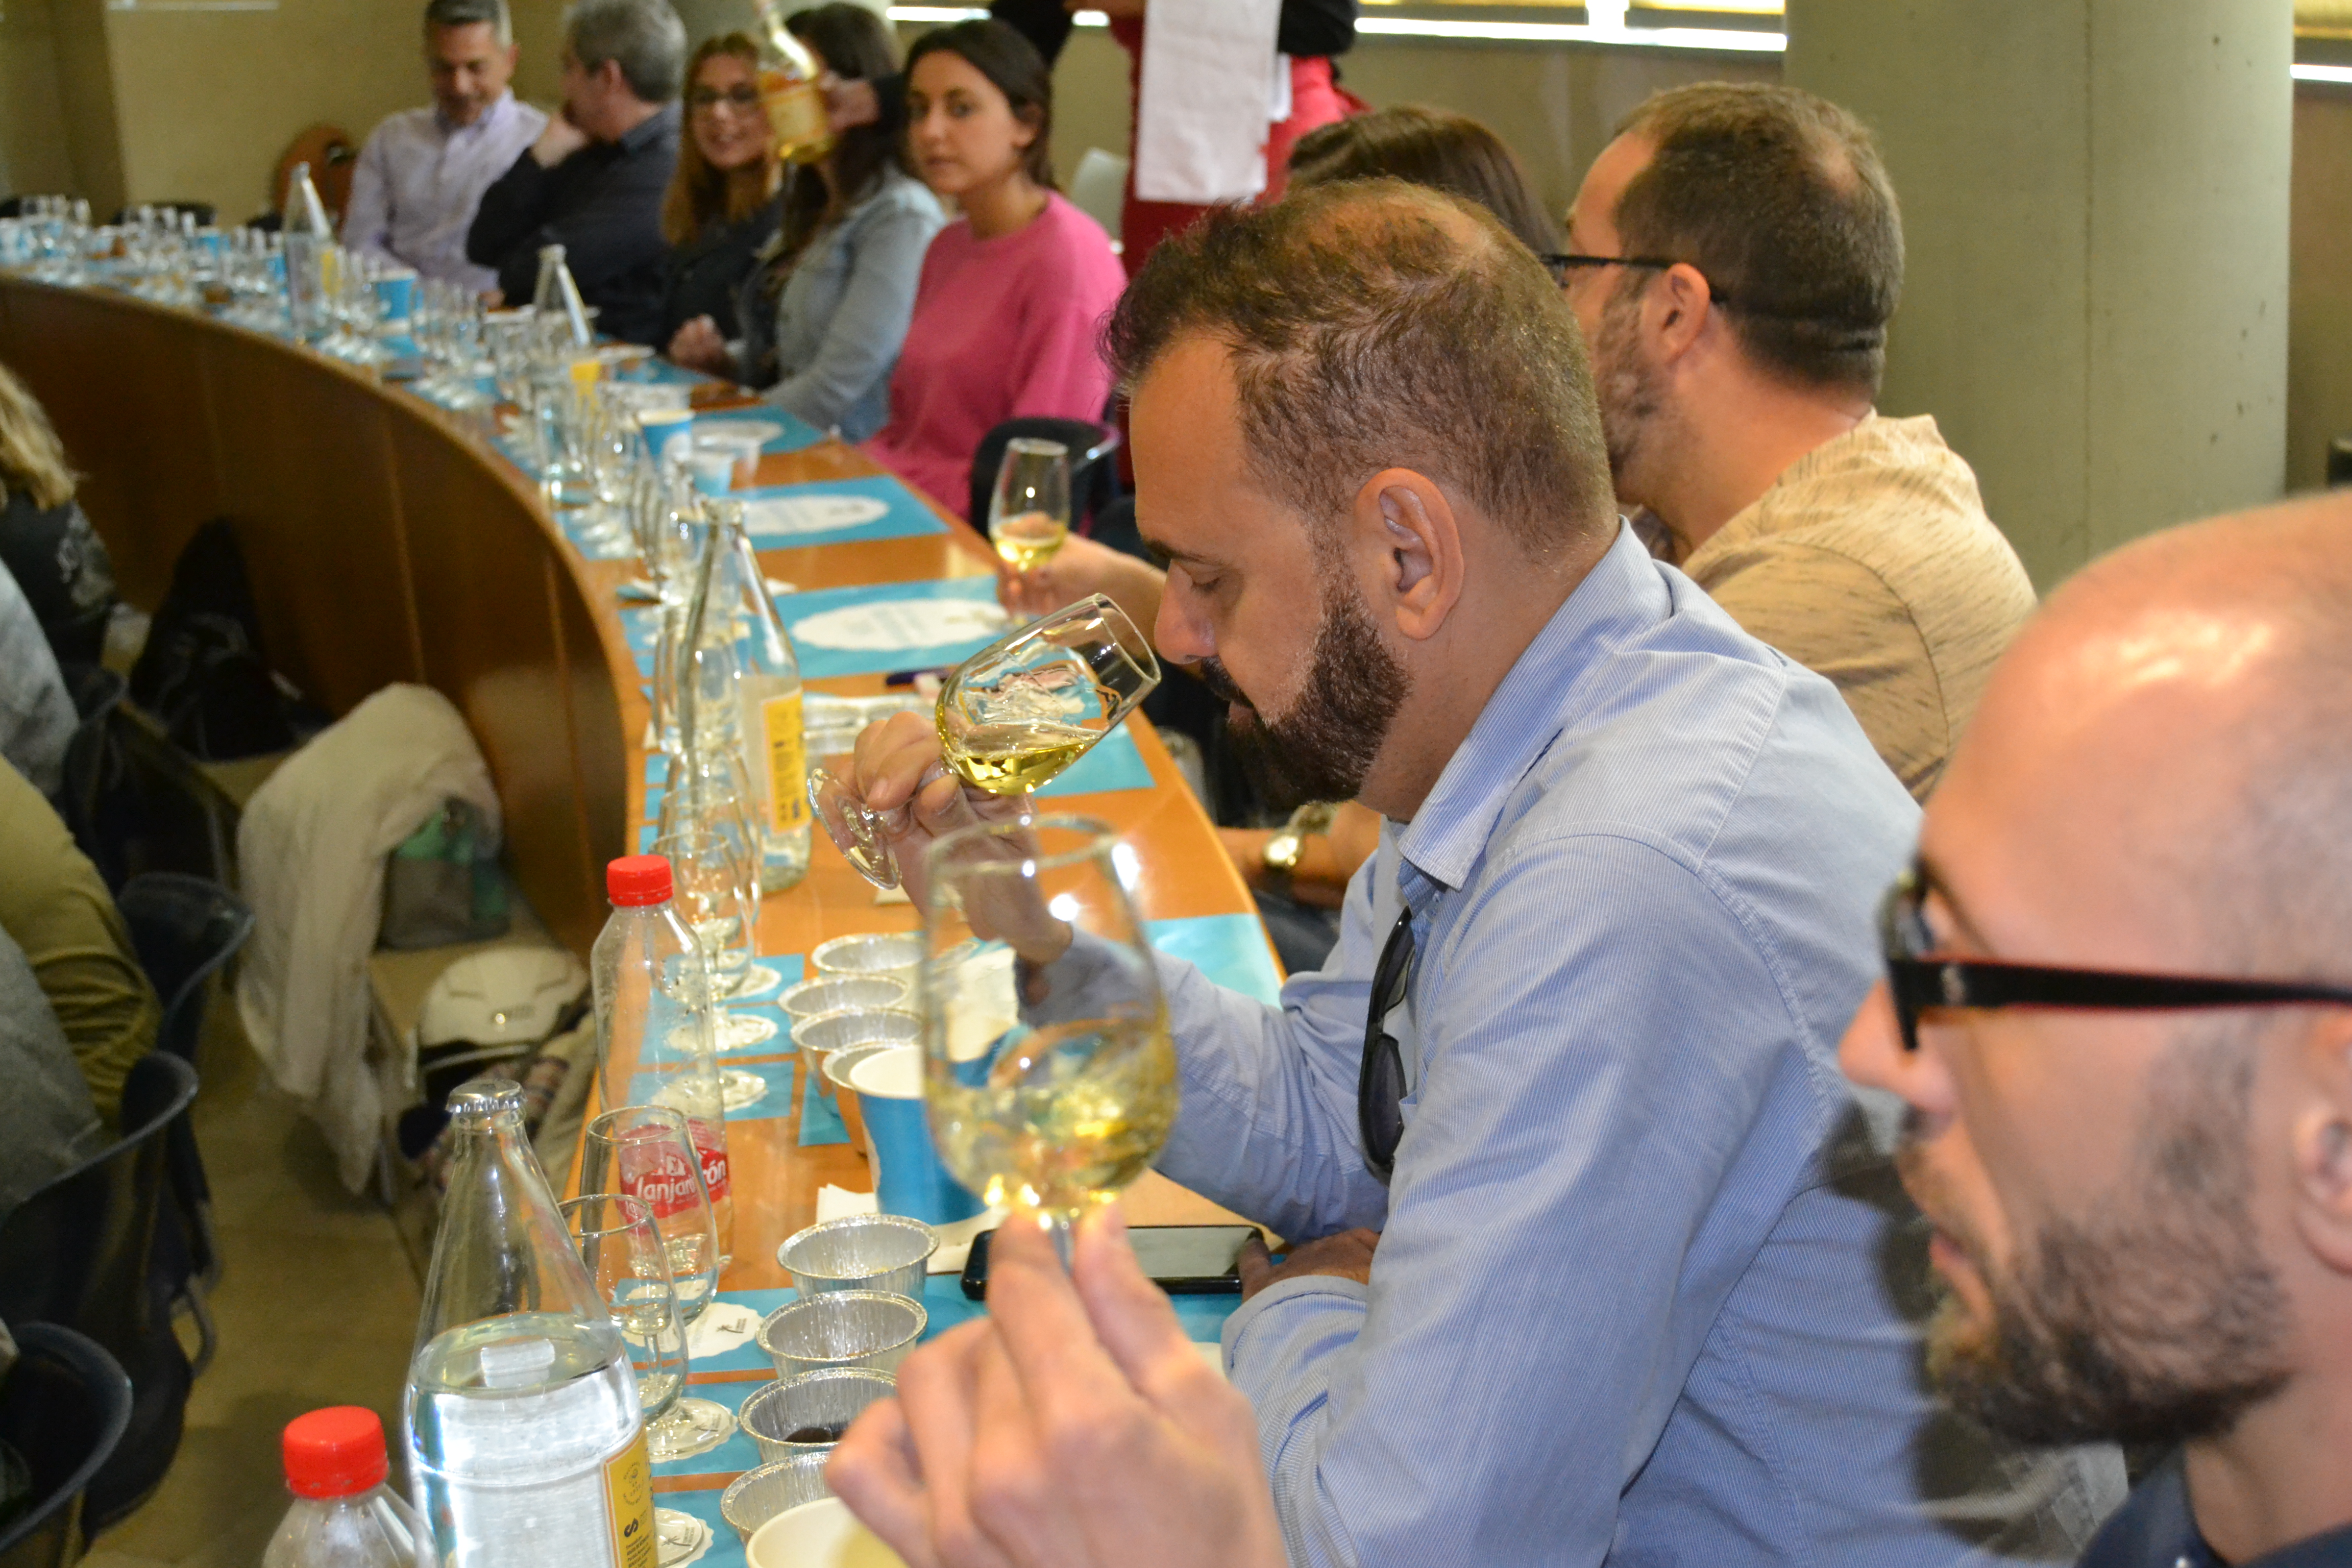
(1200, 116)
(723, 1326)
(840, 1202)
(881, 625)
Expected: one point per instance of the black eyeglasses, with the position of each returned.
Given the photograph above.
(1379, 1085)
(743, 97)
(1917, 982)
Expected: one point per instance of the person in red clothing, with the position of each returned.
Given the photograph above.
(1310, 32)
(1013, 292)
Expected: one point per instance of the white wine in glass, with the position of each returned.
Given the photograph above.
(1029, 514)
(1049, 1074)
(1011, 718)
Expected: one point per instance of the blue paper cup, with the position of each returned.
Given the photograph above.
(397, 291)
(907, 1176)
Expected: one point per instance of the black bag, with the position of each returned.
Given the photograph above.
(203, 673)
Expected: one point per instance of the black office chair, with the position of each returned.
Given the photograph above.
(1093, 470)
(63, 1407)
(82, 1252)
(94, 798)
(186, 929)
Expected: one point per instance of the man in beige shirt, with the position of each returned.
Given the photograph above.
(1736, 254)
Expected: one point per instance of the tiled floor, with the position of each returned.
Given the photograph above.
(316, 1305)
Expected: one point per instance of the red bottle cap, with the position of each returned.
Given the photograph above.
(334, 1452)
(634, 880)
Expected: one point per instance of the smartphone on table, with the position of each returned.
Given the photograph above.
(1182, 1259)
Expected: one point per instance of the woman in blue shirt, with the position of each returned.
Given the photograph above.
(826, 308)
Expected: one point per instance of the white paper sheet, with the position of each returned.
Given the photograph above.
(1206, 85)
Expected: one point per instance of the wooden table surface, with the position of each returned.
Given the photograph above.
(1185, 872)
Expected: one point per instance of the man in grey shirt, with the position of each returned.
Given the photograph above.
(47, 1124)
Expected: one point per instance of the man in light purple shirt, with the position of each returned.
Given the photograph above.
(424, 170)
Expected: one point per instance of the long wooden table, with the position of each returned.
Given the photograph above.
(389, 541)
(1184, 870)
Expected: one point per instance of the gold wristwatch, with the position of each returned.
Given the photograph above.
(1282, 851)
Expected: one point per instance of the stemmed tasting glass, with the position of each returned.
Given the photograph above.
(1048, 1071)
(616, 1238)
(1010, 718)
(647, 1153)
(705, 786)
(707, 879)
(609, 434)
(1029, 515)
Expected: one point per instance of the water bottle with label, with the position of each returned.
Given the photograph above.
(309, 242)
(526, 1441)
(655, 1021)
(776, 753)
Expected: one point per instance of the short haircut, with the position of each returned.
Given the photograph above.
(471, 13)
(645, 38)
(1377, 324)
(1433, 147)
(1012, 64)
(1778, 197)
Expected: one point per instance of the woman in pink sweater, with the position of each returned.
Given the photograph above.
(1012, 293)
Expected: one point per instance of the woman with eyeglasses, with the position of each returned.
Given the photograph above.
(825, 307)
(723, 202)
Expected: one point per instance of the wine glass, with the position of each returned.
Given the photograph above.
(616, 1240)
(1010, 718)
(1048, 1071)
(707, 879)
(647, 1153)
(1029, 515)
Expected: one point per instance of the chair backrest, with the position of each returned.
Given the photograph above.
(1094, 478)
(63, 1408)
(93, 763)
(82, 1252)
(184, 928)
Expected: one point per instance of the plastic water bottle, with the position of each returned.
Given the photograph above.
(656, 1039)
(343, 1515)
(525, 1442)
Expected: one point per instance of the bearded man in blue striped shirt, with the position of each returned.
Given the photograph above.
(1599, 1259)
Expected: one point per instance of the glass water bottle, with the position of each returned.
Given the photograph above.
(526, 1441)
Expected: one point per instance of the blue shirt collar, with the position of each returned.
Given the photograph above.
(1620, 595)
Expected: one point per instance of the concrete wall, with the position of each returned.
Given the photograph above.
(2095, 202)
(2319, 298)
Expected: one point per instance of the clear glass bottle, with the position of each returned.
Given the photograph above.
(798, 121)
(343, 1514)
(309, 240)
(526, 1443)
(656, 1001)
(557, 301)
(767, 677)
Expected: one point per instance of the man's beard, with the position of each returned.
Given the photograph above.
(1322, 748)
(2159, 1321)
(1630, 392)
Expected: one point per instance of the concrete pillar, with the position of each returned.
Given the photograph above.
(2094, 199)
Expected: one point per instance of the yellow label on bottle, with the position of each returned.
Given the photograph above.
(629, 1506)
(788, 805)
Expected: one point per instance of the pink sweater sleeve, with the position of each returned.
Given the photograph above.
(1055, 369)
